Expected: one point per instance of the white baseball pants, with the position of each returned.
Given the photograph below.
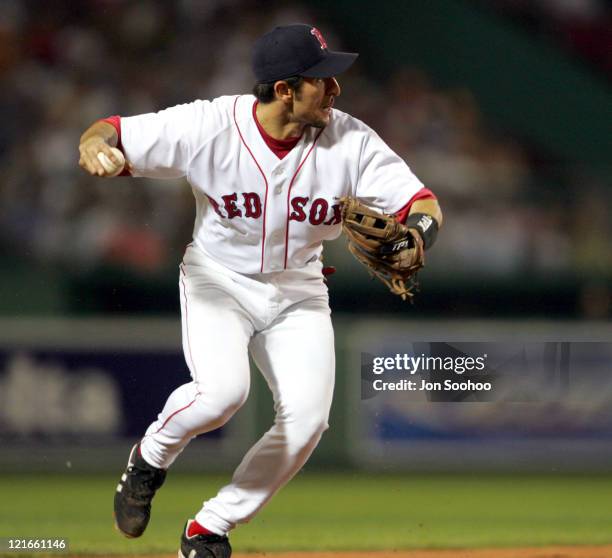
(284, 320)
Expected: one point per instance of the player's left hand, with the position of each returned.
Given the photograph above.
(391, 251)
(406, 252)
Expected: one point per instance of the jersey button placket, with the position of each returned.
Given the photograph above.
(275, 241)
(279, 179)
(276, 247)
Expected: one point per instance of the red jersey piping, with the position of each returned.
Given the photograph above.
(263, 237)
(289, 193)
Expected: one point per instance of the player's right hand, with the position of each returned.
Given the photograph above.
(89, 150)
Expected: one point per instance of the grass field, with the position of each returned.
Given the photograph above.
(327, 512)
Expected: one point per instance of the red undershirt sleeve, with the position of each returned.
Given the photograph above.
(422, 194)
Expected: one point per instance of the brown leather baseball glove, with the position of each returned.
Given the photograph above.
(391, 251)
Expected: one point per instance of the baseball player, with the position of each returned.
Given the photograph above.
(267, 171)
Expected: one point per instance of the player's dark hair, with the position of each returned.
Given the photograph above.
(265, 91)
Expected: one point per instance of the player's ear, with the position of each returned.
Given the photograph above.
(283, 92)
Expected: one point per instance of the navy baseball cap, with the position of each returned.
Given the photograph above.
(297, 50)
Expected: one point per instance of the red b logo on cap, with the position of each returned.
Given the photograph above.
(314, 31)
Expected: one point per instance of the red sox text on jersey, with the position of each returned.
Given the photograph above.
(249, 205)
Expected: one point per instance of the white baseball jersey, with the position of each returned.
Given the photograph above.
(256, 213)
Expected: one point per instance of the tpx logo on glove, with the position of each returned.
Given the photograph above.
(404, 244)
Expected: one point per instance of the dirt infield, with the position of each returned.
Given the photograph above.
(538, 552)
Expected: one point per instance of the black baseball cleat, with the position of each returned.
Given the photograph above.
(134, 493)
(204, 546)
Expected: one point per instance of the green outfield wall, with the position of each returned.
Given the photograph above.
(74, 394)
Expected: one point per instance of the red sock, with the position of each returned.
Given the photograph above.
(196, 529)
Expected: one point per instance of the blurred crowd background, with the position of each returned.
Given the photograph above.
(582, 27)
(527, 228)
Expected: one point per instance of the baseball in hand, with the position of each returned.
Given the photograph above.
(111, 168)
